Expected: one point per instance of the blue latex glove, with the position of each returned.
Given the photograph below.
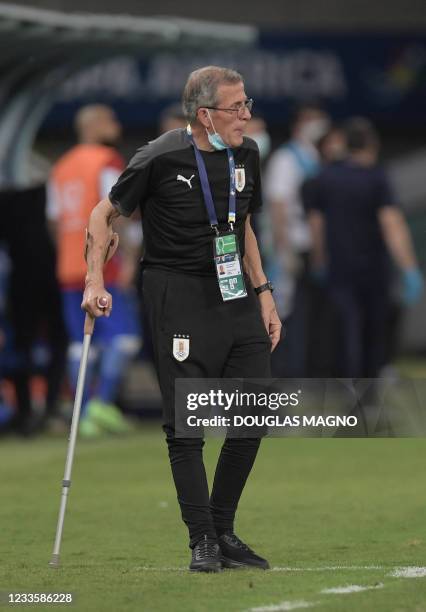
(412, 286)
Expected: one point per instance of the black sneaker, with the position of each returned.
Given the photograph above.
(237, 554)
(206, 556)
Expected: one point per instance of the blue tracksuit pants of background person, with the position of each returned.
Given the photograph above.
(115, 342)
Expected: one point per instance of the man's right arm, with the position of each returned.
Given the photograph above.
(397, 237)
(398, 241)
(99, 235)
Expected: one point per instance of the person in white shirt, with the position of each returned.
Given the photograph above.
(288, 168)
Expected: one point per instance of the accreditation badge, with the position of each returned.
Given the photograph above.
(229, 270)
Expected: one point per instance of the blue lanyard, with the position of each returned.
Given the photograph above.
(205, 186)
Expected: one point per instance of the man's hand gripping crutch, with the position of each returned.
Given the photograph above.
(97, 302)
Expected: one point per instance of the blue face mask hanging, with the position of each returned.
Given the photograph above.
(216, 139)
(216, 142)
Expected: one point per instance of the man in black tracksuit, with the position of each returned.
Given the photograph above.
(193, 185)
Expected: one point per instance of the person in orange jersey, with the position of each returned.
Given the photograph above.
(80, 178)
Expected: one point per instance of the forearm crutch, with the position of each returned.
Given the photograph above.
(89, 324)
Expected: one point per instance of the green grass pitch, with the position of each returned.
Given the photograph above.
(326, 513)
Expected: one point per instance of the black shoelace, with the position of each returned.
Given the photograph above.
(206, 548)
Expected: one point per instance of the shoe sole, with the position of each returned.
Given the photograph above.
(232, 564)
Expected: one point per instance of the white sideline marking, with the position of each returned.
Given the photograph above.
(161, 569)
(408, 572)
(328, 568)
(350, 588)
(324, 568)
(283, 606)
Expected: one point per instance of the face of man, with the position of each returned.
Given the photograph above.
(312, 125)
(229, 123)
(332, 146)
(107, 127)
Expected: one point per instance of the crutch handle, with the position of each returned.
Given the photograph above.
(89, 321)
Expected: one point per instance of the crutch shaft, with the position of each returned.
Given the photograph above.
(66, 483)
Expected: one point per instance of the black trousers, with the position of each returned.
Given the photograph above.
(227, 340)
(362, 310)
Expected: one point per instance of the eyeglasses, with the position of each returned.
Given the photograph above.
(238, 108)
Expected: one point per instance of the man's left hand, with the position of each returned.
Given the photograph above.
(270, 317)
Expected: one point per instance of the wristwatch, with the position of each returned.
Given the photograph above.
(268, 286)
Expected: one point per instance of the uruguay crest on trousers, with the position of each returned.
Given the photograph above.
(180, 347)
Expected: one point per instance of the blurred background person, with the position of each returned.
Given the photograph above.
(257, 129)
(172, 118)
(355, 225)
(79, 179)
(289, 167)
(332, 146)
(321, 319)
(32, 315)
